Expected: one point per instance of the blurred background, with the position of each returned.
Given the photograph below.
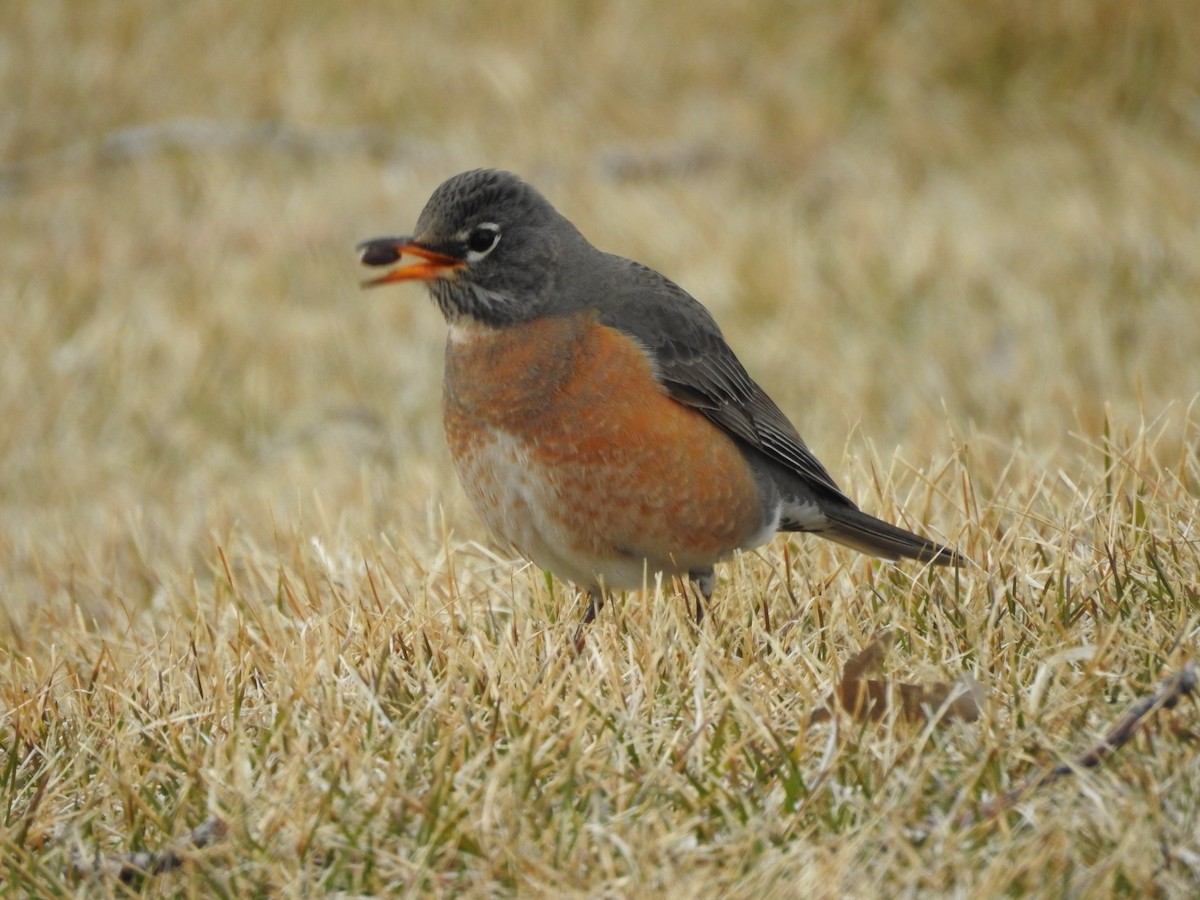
(932, 230)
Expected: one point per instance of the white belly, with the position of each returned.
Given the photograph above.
(520, 502)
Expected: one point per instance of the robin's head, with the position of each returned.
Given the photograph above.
(485, 245)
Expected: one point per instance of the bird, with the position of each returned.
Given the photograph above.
(598, 420)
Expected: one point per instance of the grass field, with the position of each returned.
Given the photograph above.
(239, 585)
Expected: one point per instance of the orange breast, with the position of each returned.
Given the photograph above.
(572, 451)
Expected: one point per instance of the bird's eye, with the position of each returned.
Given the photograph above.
(483, 238)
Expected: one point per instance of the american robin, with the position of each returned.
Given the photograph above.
(598, 421)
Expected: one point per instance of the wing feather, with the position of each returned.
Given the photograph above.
(698, 368)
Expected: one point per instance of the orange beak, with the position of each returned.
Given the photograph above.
(387, 250)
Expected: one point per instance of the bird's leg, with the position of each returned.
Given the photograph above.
(705, 581)
(595, 601)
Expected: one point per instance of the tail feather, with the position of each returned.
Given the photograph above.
(855, 528)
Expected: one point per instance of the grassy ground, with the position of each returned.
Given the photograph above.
(959, 243)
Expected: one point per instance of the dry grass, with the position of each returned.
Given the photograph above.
(959, 243)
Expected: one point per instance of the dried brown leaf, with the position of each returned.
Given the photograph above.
(869, 699)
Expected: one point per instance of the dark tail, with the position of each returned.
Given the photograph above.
(856, 529)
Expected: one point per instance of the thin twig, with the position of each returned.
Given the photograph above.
(134, 143)
(146, 862)
(1170, 691)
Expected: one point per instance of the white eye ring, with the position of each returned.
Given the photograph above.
(482, 240)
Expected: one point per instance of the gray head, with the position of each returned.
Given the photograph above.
(487, 246)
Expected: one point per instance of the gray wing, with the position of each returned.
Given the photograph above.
(699, 369)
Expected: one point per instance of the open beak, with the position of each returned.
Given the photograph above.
(387, 250)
